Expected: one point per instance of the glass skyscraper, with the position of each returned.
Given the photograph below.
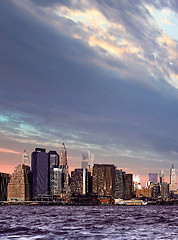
(40, 173)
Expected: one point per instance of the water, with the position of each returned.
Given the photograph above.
(88, 222)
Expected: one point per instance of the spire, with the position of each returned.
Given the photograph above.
(25, 158)
(63, 155)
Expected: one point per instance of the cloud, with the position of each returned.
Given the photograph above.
(4, 150)
(108, 89)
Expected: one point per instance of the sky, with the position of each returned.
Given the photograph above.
(99, 75)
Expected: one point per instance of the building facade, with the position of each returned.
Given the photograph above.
(19, 187)
(64, 167)
(4, 180)
(129, 186)
(53, 164)
(164, 190)
(120, 181)
(77, 181)
(104, 179)
(153, 177)
(40, 173)
(173, 184)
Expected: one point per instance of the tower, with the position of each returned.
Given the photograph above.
(54, 174)
(63, 155)
(173, 184)
(25, 158)
(64, 168)
(120, 181)
(104, 179)
(40, 173)
(85, 161)
(161, 177)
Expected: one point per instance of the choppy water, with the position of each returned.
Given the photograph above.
(88, 222)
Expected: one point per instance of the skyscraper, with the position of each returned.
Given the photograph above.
(57, 182)
(129, 186)
(4, 180)
(40, 173)
(85, 161)
(161, 177)
(104, 179)
(153, 177)
(64, 167)
(120, 180)
(173, 184)
(25, 158)
(77, 181)
(63, 155)
(53, 164)
(19, 187)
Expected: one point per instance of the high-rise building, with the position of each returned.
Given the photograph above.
(63, 155)
(104, 179)
(4, 180)
(85, 165)
(155, 191)
(164, 190)
(77, 181)
(129, 186)
(25, 158)
(120, 180)
(53, 164)
(64, 167)
(173, 184)
(136, 182)
(40, 173)
(161, 177)
(19, 187)
(153, 177)
(57, 182)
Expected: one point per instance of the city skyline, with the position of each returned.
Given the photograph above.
(102, 76)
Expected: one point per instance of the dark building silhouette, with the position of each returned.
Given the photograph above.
(19, 187)
(104, 179)
(129, 186)
(120, 184)
(4, 180)
(40, 173)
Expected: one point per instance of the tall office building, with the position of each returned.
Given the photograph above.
(104, 179)
(120, 180)
(53, 164)
(164, 190)
(85, 165)
(153, 177)
(63, 155)
(64, 167)
(77, 181)
(25, 158)
(155, 191)
(136, 182)
(4, 180)
(173, 184)
(19, 187)
(129, 186)
(57, 182)
(40, 173)
(161, 177)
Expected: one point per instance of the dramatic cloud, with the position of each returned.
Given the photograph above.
(101, 75)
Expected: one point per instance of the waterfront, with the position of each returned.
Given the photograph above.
(88, 222)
